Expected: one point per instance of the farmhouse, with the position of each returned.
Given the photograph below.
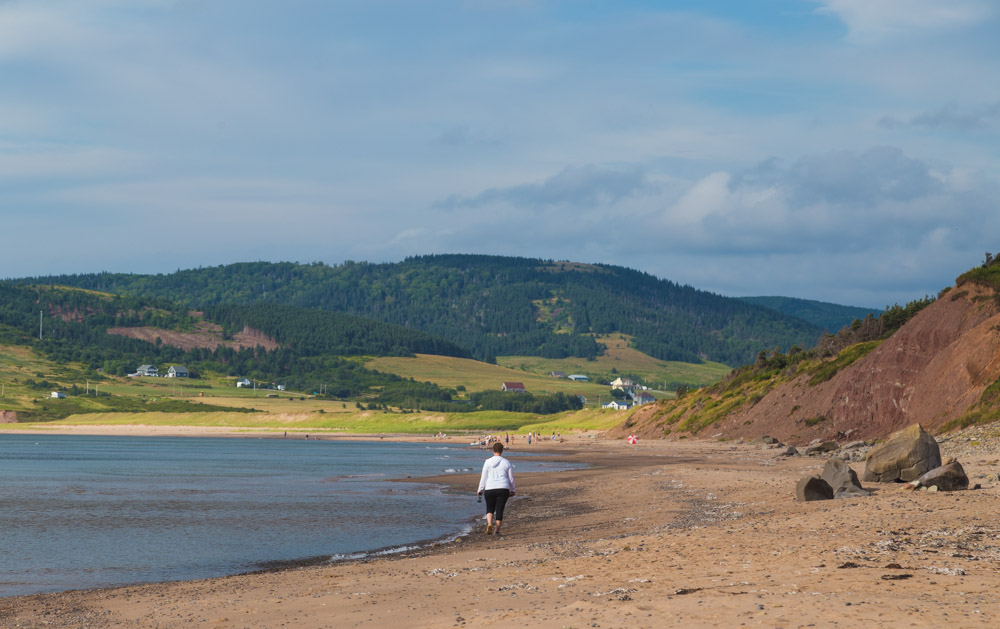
(513, 387)
(177, 371)
(58, 395)
(641, 397)
(625, 384)
(243, 383)
(147, 370)
(618, 406)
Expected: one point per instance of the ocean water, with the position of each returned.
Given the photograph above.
(92, 511)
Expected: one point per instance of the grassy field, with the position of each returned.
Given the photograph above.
(478, 376)
(619, 359)
(354, 421)
(624, 360)
(182, 399)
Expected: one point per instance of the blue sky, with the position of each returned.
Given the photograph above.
(840, 150)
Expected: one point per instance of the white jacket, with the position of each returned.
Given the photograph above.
(498, 473)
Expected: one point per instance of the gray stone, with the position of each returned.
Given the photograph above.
(769, 440)
(811, 488)
(854, 445)
(851, 492)
(948, 477)
(905, 456)
(789, 451)
(839, 475)
(821, 448)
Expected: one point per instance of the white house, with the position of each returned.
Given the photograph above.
(146, 370)
(513, 387)
(243, 383)
(625, 384)
(177, 371)
(58, 395)
(618, 406)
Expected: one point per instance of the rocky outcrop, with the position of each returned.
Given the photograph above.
(930, 371)
(8, 417)
(949, 477)
(905, 456)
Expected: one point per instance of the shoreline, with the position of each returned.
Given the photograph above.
(664, 533)
(455, 482)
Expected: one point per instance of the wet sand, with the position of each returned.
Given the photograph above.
(688, 534)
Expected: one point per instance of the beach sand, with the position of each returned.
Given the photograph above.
(687, 534)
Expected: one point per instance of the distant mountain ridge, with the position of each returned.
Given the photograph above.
(830, 317)
(492, 305)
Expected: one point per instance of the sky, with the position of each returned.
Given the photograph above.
(838, 150)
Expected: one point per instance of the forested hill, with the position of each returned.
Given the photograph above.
(493, 305)
(831, 317)
(76, 325)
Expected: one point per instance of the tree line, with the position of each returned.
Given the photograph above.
(491, 304)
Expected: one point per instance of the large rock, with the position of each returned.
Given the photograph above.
(839, 474)
(948, 477)
(844, 481)
(907, 455)
(811, 488)
(821, 448)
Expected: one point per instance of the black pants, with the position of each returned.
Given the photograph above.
(496, 500)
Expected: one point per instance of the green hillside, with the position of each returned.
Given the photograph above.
(493, 306)
(830, 317)
(306, 350)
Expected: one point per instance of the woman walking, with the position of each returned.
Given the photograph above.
(497, 485)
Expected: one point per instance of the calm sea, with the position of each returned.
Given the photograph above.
(83, 511)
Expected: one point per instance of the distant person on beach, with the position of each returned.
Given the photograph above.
(497, 485)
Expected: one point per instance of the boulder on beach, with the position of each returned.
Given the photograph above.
(905, 456)
(822, 447)
(844, 481)
(811, 488)
(948, 477)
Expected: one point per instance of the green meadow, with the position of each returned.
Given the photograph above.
(27, 380)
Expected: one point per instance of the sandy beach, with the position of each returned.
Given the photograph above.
(684, 533)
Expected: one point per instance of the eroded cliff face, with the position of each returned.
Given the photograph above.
(930, 371)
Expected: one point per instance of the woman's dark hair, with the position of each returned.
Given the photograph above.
(498, 447)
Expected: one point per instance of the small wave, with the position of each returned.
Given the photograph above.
(334, 479)
(393, 550)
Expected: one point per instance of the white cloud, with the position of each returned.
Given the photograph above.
(876, 20)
